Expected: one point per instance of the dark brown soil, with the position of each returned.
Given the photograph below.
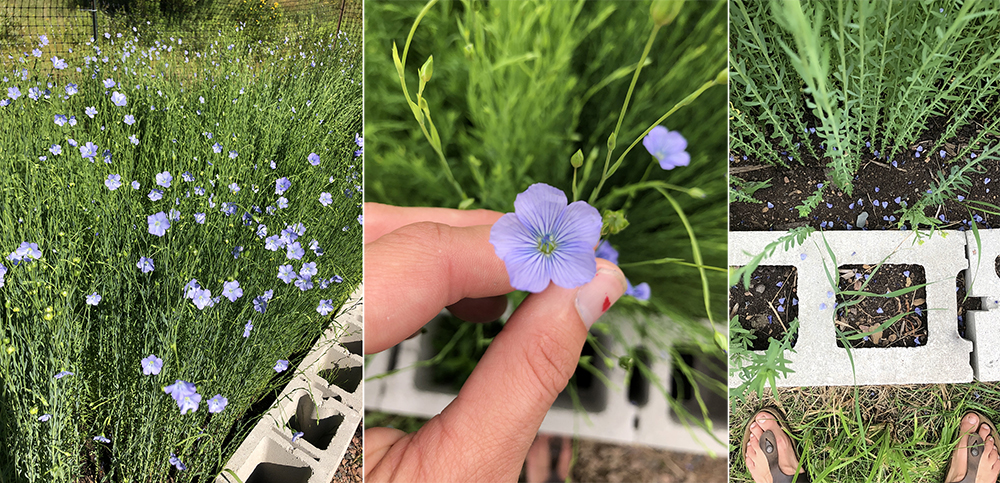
(769, 305)
(612, 463)
(865, 314)
(881, 187)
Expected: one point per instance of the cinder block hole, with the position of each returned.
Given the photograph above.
(393, 358)
(996, 265)
(866, 318)
(767, 307)
(965, 304)
(638, 383)
(591, 391)
(275, 473)
(318, 425)
(276, 465)
(708, 375)
(465, 350)
(346, 378)
(354, 347)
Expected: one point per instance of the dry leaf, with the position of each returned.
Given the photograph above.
(877, 336)
(918, 302)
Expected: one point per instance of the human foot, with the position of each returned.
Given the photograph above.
(975, 459)
(765, 436)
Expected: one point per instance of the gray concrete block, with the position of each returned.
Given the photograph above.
(816, 360)
(312, 403)
(612, 417)
(981, 277)
(984, 328)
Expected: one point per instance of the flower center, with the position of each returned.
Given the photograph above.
(546, 244)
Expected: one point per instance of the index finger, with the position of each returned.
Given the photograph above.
(383, 219)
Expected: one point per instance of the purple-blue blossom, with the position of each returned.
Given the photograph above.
(294, 251)
(313, 159)
(325, 198)
(155, 195)
(217, 404)
(94, 299)
(118, 99)
(325, 307)
(668, 147)
(232, 290)
(287, 273)
(62, 374)
(151, 365)
(547, 240)
(249, 326)
(281, 365)
(158, 224)
(282, 185)
(145, 264)
(163, 179)
(88, 150)
(185, 394)
(113, 181)
(176, 462)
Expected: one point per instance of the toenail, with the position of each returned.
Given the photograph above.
(972, 418)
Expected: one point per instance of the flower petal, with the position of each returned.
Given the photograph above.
(570, 269)
(539, 207)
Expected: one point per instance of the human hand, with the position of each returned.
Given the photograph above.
(420, 260)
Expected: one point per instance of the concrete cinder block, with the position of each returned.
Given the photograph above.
(981, 278)
(326, 414)
(816, 360)
(610, 416)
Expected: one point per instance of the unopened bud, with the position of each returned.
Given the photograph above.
(577, 159)
(427, 70)
(665, 11)
(723, 77)
(613, 222)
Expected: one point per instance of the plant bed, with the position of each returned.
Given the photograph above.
(881, 190)
(152, 198)
(769, 306)
(899, 321)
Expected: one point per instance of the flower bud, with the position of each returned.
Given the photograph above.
(427, 70)
(577, 159)
(665, 11)
(723, 77)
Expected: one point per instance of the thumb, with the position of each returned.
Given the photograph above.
(525, 368)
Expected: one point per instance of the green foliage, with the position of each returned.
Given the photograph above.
(757, 370)
(872, 72)
(260, 19)
(811, 202)
(741, 190)
(92, 238)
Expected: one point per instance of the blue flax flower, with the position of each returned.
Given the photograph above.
(113, 182)
(24, 252)
(668, 147)
(90, 111)
(176, 462)
(325, 307)
(295, 251)
(313, 159)
(185, 395)
(129, 119)
(94, 299)
(88, 150)
(118, 99)
(217, 404)
(325, 198)
(163, 179)
(151, 365)
(158, 224)
(640, 292)
(232, 290)
(282, 185)
(101, 439)
(281, 365)
(247, 328)
(545, 240)
(62, 374)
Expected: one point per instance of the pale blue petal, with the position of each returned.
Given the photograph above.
(572, 269)
(539, 206)
(674, 160)
(508, 234)
(528, 270)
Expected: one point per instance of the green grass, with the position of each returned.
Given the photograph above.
(266, 103)
(518, 87)
(869, 433)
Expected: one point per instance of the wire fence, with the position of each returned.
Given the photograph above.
(69, 23)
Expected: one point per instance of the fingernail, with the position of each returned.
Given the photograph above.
(598, 295)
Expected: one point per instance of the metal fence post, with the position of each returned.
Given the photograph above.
(93, 17)
(343, 3)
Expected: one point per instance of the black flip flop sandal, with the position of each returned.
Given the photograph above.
(769, 445)
(975, 449)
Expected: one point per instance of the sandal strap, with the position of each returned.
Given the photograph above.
(972, 463)
(769, 445)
